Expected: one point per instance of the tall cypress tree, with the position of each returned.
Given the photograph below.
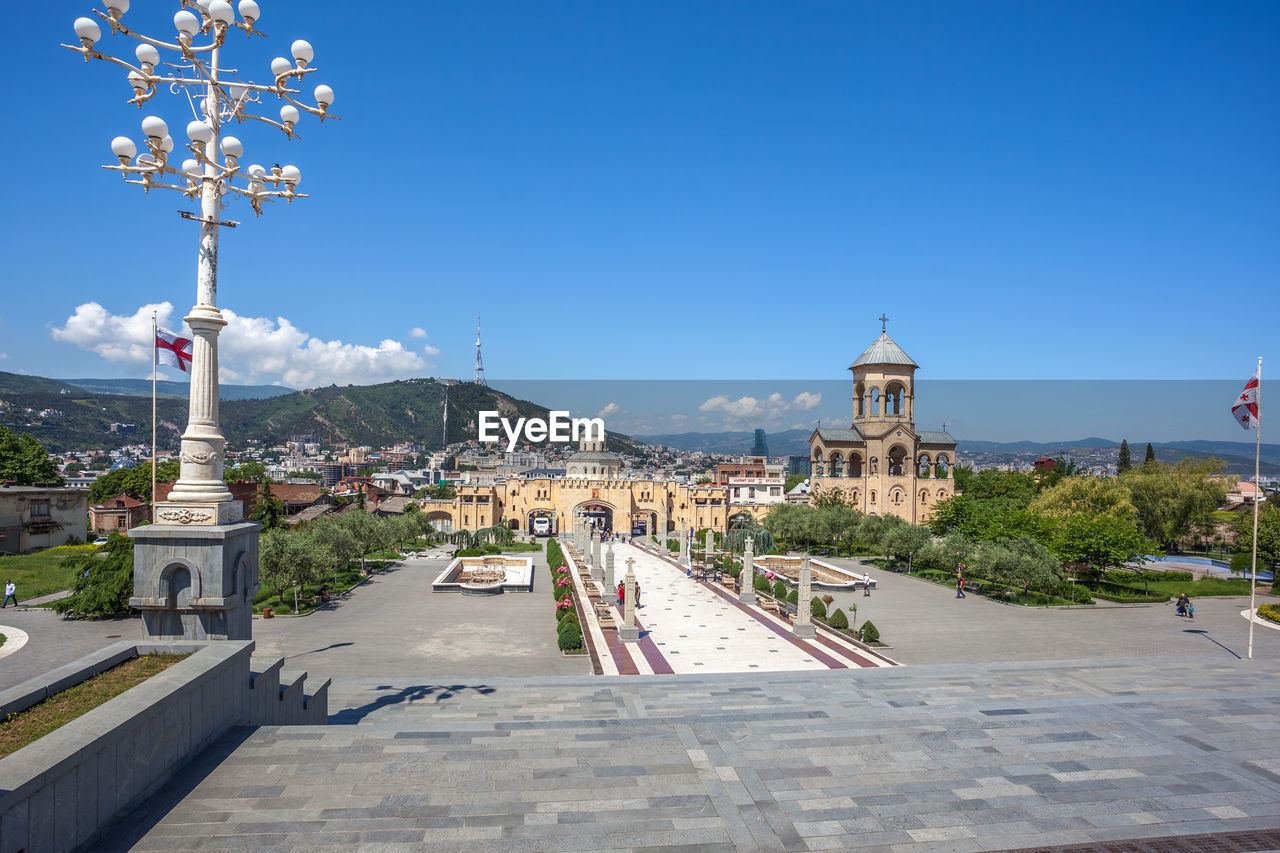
(1125, 462)
(1151, 454)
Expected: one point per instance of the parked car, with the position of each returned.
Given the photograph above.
(101, 540)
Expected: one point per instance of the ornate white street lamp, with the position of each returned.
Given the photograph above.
(191, 65)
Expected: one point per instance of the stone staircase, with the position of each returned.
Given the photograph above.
(279, 698)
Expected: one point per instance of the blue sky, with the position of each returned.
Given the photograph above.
(733, 190)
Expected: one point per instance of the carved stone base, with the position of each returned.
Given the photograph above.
(805, 631)
(199, 514)
(629, 633)
(196, 582)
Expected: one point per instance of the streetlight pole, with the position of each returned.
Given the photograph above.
(200, 526)
(218, 97)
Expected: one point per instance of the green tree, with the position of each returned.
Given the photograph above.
(1087, 495)
(74, 467)
(268, 510)
(369, 532)
(1268, 538)
(903, 541)
(134, 482)
(1173, 500)
(1021, 562)
(1125, 462)
(1151, 455)
(336, 539)
(104, 581)
(289, 557)
(246, 472)
(794, 480)
(442, 492)
(1097, 541)
(823, 498)
(24, 460)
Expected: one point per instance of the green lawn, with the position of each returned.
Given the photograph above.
(41, 573)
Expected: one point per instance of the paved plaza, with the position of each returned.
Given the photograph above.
(943, 758)
(455, 724)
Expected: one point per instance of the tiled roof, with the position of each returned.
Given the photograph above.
(883, 351)
(931, 437)
(839, 434)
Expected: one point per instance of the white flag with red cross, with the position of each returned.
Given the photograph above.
(173, 350)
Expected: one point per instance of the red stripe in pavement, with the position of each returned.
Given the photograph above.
(652, 654)
(831, 662)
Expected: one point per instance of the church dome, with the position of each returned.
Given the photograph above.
(883, 351)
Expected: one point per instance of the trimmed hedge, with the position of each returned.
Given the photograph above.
(869, 633)
(817, 608)
(838, 620)
(570, 637)
(1270, 612)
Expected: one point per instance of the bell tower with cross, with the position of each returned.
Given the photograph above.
(883, 382)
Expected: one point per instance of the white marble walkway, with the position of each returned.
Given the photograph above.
(698, 631)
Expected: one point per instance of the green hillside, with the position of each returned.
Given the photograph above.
(373, 415)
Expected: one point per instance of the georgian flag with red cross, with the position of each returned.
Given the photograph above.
(1245, 410)
(173, 350)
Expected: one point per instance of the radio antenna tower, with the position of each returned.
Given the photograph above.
(479, 360)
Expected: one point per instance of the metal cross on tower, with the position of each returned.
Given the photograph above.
(883, 320)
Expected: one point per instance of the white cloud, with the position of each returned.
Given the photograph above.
(806, 402)
(770, 410)
(3, 356)
(251, 350)
(417, 333)
(430, 350)
(609, 410)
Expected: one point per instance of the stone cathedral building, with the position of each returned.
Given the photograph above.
(882, 462)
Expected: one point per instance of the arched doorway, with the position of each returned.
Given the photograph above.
(542, 522)
(596, 513)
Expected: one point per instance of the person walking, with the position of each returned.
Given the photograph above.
(866, 584)
(960, 586)
(10, 591)
(637, 595)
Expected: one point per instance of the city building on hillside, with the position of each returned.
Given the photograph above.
(33, 517)
(118, 515)
(882, 462)
(753, 480)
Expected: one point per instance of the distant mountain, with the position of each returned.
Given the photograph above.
(791, 442)
(373, 415)
(142, 388)
(1237, 455)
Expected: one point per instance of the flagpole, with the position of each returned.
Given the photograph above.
(1257, 499)
(154, 365)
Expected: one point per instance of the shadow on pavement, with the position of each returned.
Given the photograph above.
(322, 649)
(1205, 634)
(133, 826)
(441, 692)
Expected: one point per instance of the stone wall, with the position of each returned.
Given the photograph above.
(64, 790)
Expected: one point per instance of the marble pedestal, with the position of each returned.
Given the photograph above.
(195, 582)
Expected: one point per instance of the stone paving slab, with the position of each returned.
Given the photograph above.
(973, 757)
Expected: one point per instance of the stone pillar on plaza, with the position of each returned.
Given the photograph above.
(596, 566)
(710, 540)
(662, 532)
(609, 584)
(629, 633)
(746, 580)
(803, 626)
(683, 555)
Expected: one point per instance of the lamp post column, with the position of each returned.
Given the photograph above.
(203, 446)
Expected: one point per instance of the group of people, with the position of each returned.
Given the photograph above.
(1185, 607)
(622, 591)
